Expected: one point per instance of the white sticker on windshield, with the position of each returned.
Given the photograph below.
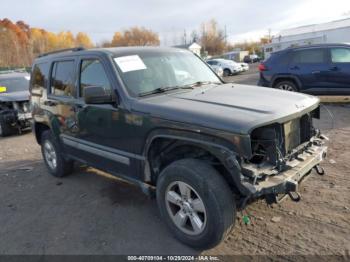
(130, 63)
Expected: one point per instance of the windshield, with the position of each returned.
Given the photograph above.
(148, 72)
(10, 85)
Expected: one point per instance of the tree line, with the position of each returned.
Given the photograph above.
(20, 43)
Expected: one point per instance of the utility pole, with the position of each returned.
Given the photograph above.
(185, 37)
(225, 36)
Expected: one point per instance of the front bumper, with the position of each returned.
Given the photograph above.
(16, 119)
(288, 180)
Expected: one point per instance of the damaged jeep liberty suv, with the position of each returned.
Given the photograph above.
(162, 119)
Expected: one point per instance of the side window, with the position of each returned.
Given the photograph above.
(62, 79)
(340, 55)
(309, 56)
(40, 75)
(92, 73)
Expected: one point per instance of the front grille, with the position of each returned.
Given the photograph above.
(291, 135)
(296, 132)
(22, 106)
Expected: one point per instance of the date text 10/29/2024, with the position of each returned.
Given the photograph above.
(173, 258)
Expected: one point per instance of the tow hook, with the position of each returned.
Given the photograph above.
(295, 196)
(319, 170)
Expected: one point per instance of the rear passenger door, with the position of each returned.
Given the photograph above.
(310, 66)
(62, 97)
(339, 70)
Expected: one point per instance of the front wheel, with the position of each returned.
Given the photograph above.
(196, 203)
(5, 129)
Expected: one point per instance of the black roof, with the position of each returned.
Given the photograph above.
(118, 51)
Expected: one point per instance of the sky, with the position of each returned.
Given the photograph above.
(245, 20)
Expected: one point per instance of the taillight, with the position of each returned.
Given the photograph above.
(262, 67)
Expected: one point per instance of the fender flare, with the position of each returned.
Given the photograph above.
(286, 76)
(224, 151)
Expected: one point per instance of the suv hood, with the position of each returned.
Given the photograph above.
(229, 107)
(14, 96)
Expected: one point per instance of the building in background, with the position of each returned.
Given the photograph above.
(236, 55)
(331, 32)
(194, 47)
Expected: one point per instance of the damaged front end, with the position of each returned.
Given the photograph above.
(16, 114)
(282, 156)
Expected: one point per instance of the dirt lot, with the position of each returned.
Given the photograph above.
(91, 213)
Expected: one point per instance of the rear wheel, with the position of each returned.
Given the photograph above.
(196, 203)
(227, 72)
(287, 86)
(53, 156)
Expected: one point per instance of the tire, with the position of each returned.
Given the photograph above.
(53, 156)
(217, 212)
(5, 129)
(227, 72)
(287, 86)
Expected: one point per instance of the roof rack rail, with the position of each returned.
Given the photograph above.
(74, 49)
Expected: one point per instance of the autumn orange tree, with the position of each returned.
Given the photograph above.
(135, 36)
(20, 43)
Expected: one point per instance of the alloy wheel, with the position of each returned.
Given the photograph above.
(185, 208)
(50, 155)
(286, 87)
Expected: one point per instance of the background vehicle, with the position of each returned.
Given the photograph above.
(230, 67)
(204, 147)
(247, 59)
(318, 69)
(218, 70)
(251, 59)
(245, 66)
(15, 112)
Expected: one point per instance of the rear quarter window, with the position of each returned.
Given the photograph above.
(281, 58)
(40, 74)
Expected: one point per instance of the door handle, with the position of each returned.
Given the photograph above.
(334, 68)
(50, 103)
(316, 72)
(78, 107)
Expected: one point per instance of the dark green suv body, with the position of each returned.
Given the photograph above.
(161, 118)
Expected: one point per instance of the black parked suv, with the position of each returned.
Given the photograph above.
(15, 112)
(162, 119)
(322, 69)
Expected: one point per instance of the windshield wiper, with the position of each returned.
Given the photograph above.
(159, 90)
(168, 88)
(199, 83)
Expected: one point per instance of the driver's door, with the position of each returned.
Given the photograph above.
(103, 137)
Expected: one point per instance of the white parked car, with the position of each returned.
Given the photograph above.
(244, 66)
(218, 70)
(230, 67)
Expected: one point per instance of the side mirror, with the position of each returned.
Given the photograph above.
(97, 95)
